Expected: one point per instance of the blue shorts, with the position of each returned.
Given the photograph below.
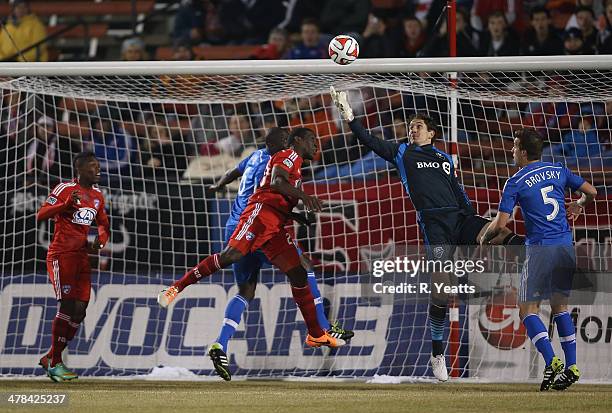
(548, 269)
(247, 269)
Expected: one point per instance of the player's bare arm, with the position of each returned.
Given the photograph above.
(280, 183)
(495, 228)
(575, 208)
(228, 177)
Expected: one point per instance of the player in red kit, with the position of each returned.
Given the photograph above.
(262, 226)
(74, 206)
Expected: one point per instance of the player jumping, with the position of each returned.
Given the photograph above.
(444, 212)
(246, 271)
(262, 226)
(74, 205)
(539, 188)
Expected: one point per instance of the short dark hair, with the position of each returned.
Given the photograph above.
(310, 21)
(429, 122)
(82, 157)
(301, 132)
(531, 142)
(585, 8)
(274, 135)
(498, 13)
(538, 9)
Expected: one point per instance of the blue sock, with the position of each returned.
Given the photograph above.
(318, 300)
(567, 336)
(539, 336)
(233, 314)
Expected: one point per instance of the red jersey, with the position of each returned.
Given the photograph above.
(290, 162)
(72, 221)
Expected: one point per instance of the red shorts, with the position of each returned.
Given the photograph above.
(70, 275)
(262, 227)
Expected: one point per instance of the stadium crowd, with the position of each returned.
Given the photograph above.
(158, 141)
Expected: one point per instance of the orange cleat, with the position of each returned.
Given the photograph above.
(166, 296)
(324, 340)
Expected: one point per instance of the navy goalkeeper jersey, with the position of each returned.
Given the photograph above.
(427, 173)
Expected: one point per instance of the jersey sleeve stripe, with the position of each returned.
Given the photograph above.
(58, 189)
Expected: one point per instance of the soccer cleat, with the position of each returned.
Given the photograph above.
(325, 340)
(336, 331)
(550, 372)
(438, 365)
(60, 372)
(166, 296)
(219, 359)
(44, 362)
(567, 378)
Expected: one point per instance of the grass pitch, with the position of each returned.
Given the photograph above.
(92, 396)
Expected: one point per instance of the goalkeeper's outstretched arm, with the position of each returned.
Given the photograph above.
(384, 149)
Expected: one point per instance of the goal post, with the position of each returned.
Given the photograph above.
(166, 130)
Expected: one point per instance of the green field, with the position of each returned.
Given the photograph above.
(106, 396)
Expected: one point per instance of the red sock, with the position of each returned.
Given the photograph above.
(206, 267)
(305, 302)
(59, 330)
(72, 329)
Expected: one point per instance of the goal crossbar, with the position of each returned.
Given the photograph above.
(237, 67)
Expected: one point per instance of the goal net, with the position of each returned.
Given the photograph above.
(164, 133)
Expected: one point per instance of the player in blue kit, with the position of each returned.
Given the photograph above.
(539, 188)
(246, 271)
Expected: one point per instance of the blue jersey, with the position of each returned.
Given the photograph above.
(539, 188)
(252, 168)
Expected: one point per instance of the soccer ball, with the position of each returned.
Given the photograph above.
(343, 49)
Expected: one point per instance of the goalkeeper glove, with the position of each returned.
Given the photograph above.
(341, 101)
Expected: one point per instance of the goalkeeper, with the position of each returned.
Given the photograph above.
(444, 212)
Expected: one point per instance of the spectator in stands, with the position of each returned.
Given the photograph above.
(159, 155)
(595, 5)
(189, 20)
(250, 21)
(278, 43)
(344, 16)
(585, 19)
(499, 39)
(133, 49)
(467, 39)
(376, 41)
(572, 42)
(25, 29)
(413, 37)
(182, 50)
(512, 10)
(551, 119)
(540, 38)
(240, 134)
(582, 142)
(312, 113)
(604, 37)
(311, 46)
(111, 144)
(49, 156)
